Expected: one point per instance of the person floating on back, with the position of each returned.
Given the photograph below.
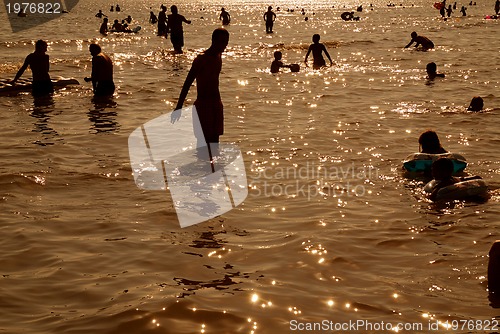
(431, 69)
(225, 17)
(205, 70)
(174, 26)
(476, 104)
(420, 40)
(429, 143)
(102, 72)
(269, 17)
(317, 49)
(39, 64)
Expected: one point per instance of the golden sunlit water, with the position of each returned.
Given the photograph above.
(331, 233)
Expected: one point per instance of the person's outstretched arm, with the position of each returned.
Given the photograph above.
(328, 55)
(22, 69)
(184, 91)
(409, 44)
(307, 54)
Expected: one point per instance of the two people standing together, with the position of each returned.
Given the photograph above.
(172, 24)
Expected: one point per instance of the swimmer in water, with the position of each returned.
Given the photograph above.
(317, 49)
(429, 143)
(476, 104)
(420, 40)
(431, 69)
(277, 63)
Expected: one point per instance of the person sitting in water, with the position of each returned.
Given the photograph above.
(476, 104)
(317, 49)
(429, 143)
(431, 69)
(129, 19)
(420, 40)
(277, 63)
(117, 26)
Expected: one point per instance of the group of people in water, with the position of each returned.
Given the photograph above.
(442, 170)
(38, 61)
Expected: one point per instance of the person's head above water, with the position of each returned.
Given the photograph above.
(316, 38)
(414, 34)
(429, 143)
(476, 104)
(278, 55)
(431, 68)
(442, 169)
(41, 46)
(174, 9)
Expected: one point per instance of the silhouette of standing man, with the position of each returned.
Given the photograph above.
(102, 72)
(269, 17)
(174, 26)
(38, 62)
(206, 69)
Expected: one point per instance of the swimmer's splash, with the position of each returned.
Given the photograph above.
(27, 14)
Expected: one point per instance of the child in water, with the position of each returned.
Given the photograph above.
(277, 63)
(429, 143)
(476, 104)
(317, 49)
(432, 71)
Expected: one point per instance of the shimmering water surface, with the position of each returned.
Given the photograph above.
(331, 228)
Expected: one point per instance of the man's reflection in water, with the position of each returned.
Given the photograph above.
(42, 111)
(103, 120)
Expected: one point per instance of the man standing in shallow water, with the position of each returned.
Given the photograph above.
(269, 17)
(39, 64)
(206, 69)
(102, 72)
(174, 26)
